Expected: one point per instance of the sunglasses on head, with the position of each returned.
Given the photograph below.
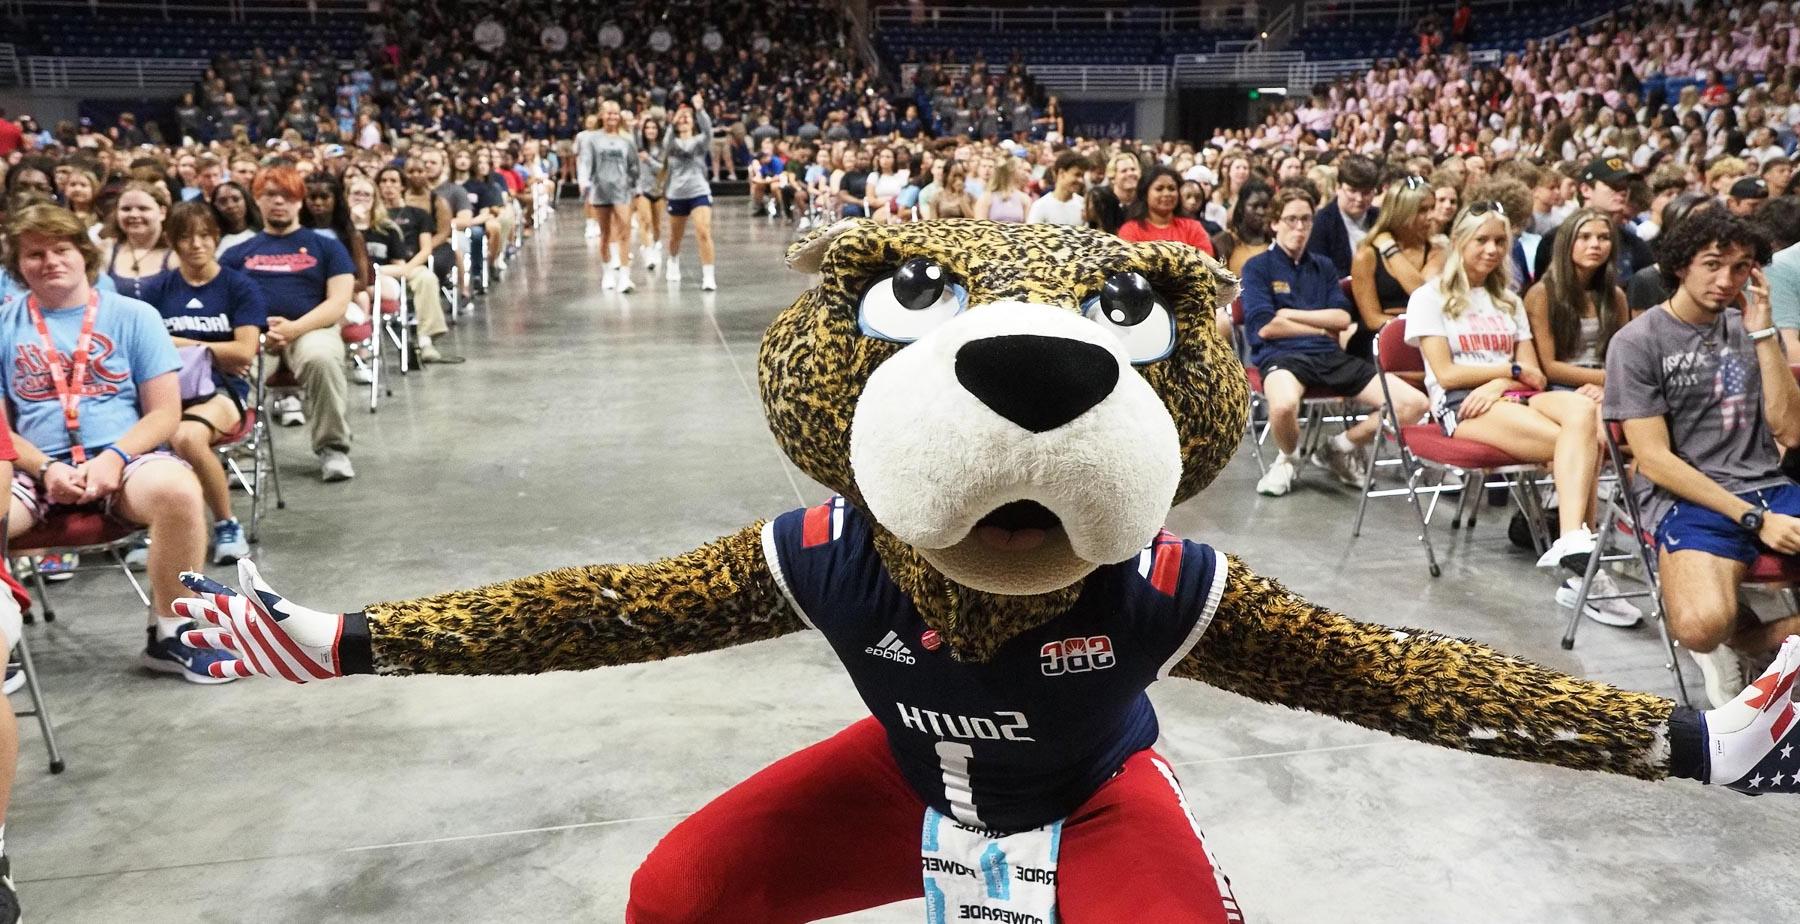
(1483, 208)
(1416, 182)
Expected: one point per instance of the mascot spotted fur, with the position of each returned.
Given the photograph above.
(1007, 414)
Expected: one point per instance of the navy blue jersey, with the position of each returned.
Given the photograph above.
(1026, 738)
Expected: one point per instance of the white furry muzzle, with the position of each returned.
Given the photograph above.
(932, 458)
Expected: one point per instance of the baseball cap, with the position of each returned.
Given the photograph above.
(334, 150)
(1609, 170)
(1201, 174)
(1750, 187)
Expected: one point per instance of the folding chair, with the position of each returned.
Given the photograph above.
(84, 532)
(39, 709)
(368, 334)
(397, 322)
(255, 436)
(460, 243)
(1316, 407)
(1424, 446)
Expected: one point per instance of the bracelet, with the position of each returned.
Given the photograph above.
(45, 468)
(124, 457)
(1763, 334)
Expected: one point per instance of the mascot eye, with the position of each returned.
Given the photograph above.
(911, 302)
(1130, 308)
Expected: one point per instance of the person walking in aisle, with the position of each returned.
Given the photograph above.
(609, 179)
(689, 194)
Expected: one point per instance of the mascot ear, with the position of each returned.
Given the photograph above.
(1225, 282)
(805, 254)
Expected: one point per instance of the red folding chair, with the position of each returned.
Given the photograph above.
(84, 532)
(1316, 407)
(1423, 447)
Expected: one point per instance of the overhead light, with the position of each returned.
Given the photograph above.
(1265, 35)
(1281, 90)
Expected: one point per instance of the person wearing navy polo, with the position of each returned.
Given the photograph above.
(1294, 310)
(306, 279)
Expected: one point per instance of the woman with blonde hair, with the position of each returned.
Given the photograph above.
(1485, 381)
(80, 189)
(1004, 200)
(1396, 257)
(608, 180)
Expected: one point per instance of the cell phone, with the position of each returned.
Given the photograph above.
(1520, 394)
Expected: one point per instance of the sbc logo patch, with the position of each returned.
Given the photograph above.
(1076, 655)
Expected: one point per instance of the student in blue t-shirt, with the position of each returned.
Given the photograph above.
(215, 316)
(307, 280)
(128, 401)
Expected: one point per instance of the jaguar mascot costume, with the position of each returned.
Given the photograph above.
(1007, 414)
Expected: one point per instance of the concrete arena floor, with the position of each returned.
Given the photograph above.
(593, 427)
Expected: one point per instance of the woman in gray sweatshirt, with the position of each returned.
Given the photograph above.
(608, 180)
(652, 177)
(690, 195)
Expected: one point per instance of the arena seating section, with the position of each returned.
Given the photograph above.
(116, 36)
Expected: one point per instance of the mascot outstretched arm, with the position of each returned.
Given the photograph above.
(1007, 414)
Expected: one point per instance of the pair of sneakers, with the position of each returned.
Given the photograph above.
(1339, 456)
(1605, 604)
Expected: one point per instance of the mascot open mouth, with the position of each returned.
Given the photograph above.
(1020, 526)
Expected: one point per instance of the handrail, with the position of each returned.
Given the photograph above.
(1402, 11)
(232, 10)
(1137, 79)
(1278, 30)
(9, 63)
(996, 19)
(45, 72)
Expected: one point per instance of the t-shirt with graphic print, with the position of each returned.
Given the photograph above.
(1483, 334)
(292, 268)
(1706, 385)
(129, 348)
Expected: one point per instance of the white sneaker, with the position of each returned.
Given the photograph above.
(1279, 479)
(334, 465)
(288, 411)
(592, 231)
(625, 283)
(673, 272)
(1723, 671)
(608, 280)
(1619, 613)
(360, 373)
(1346, 465)
(707, 282)
(652, 256)
(1569, 549)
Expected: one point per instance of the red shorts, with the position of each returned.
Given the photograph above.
(835, 829)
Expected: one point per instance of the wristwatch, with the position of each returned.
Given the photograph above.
(1763, 334)
(1752, 520)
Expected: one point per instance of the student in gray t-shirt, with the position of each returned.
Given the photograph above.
(1704, 394)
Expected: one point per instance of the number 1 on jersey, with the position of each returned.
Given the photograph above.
(953, 759)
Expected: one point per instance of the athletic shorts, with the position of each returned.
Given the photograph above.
(1336, 372)
(1689, 527)
(680, 208)
(27, 491)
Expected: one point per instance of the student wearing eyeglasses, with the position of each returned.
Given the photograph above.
(1294, 311)
(1485, 380)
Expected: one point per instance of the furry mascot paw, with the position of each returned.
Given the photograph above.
(1006, 413)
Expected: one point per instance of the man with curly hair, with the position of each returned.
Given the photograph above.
(1703, 390)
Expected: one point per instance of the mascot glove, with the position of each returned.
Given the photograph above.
(270, 635)
(1753, 742)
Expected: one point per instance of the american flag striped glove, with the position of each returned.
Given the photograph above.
(270, 635)
(1752, 744)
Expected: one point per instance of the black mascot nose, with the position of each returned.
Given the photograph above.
(1037, 382)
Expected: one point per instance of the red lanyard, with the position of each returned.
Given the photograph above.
(69, 382)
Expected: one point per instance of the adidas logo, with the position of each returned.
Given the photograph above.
(891, 648)
(195, 303)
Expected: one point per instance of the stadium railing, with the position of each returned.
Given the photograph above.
(233, 10)
(1054, 19)
(43, 72)
(1078, 78)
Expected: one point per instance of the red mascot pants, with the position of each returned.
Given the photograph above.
(834, 829)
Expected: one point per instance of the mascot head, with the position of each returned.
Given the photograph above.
(1014, 405)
